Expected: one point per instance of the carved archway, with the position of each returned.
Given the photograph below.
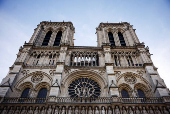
(68, 79)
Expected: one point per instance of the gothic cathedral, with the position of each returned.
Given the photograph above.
(52, 76)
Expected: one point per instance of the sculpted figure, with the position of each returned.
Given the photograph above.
(63, 111)
(11, 111)
(134, 93)
(83, 111)
(90, 111)
(49, 110)
(56, 110)
(4, 111)
(130, 111)
(30, 111)
(17, 111)
(76, 110)
(109, 111)
(23, 111)
(36, 111)
(144, 111)
(43, 110)
(70, 110)
(117, 111)
(165, 111)
(96, 111)
(137, 111)
(157, 111)
(103, 110)
(150, 111)
(124, 111)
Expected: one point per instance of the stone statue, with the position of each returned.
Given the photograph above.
(23, 111)
(17, 111)
(43, 110)
(137, 111)
(144, 111)
(90, 111)
(96, 111)
(56, 110)
(4, 111)
(117, 111)
(11, 111)
(109, 111)
(124, 111)
(76, 110)
(83, 111)
(49, 110)
(157, 111)
(30, 111)
(36, 111)
(134, 93)
(130, 111)
(165, 111)
(103, 110)
(151, 111)
(70, 110)
(63, 110)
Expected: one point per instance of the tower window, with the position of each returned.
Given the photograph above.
(124, 94)
(141, 94)
(47, 38)
(121, 38)
(58, 38)
(111, 39)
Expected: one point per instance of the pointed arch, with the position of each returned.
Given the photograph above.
(47, 38)
(125, 90)
(121, 39)
(58, 38)
(111, 38)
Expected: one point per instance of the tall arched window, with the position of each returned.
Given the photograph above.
(47, 38)
(121, 38)
(42, 95)
(124, 93)
(58, 38)
(25, 93)
(111, 39)
(141, 94)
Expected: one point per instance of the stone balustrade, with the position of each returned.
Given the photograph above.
(154, 100)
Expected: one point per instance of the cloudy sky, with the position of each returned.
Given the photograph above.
(19, 18)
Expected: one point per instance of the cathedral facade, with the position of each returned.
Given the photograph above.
(52, 76)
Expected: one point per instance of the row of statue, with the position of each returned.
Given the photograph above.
(82, 110)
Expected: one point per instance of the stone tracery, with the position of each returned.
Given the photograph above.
(84, 87)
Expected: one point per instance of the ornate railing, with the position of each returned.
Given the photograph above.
(154, 100)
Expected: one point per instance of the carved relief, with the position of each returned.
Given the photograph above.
(130, 79)
(140, 72)
(37, 78)
(25, 72)
(52, 72)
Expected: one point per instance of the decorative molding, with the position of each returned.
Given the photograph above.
(130, 79)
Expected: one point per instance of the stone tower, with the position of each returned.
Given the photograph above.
(51, 75)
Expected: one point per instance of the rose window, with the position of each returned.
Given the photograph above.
(84, 87)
